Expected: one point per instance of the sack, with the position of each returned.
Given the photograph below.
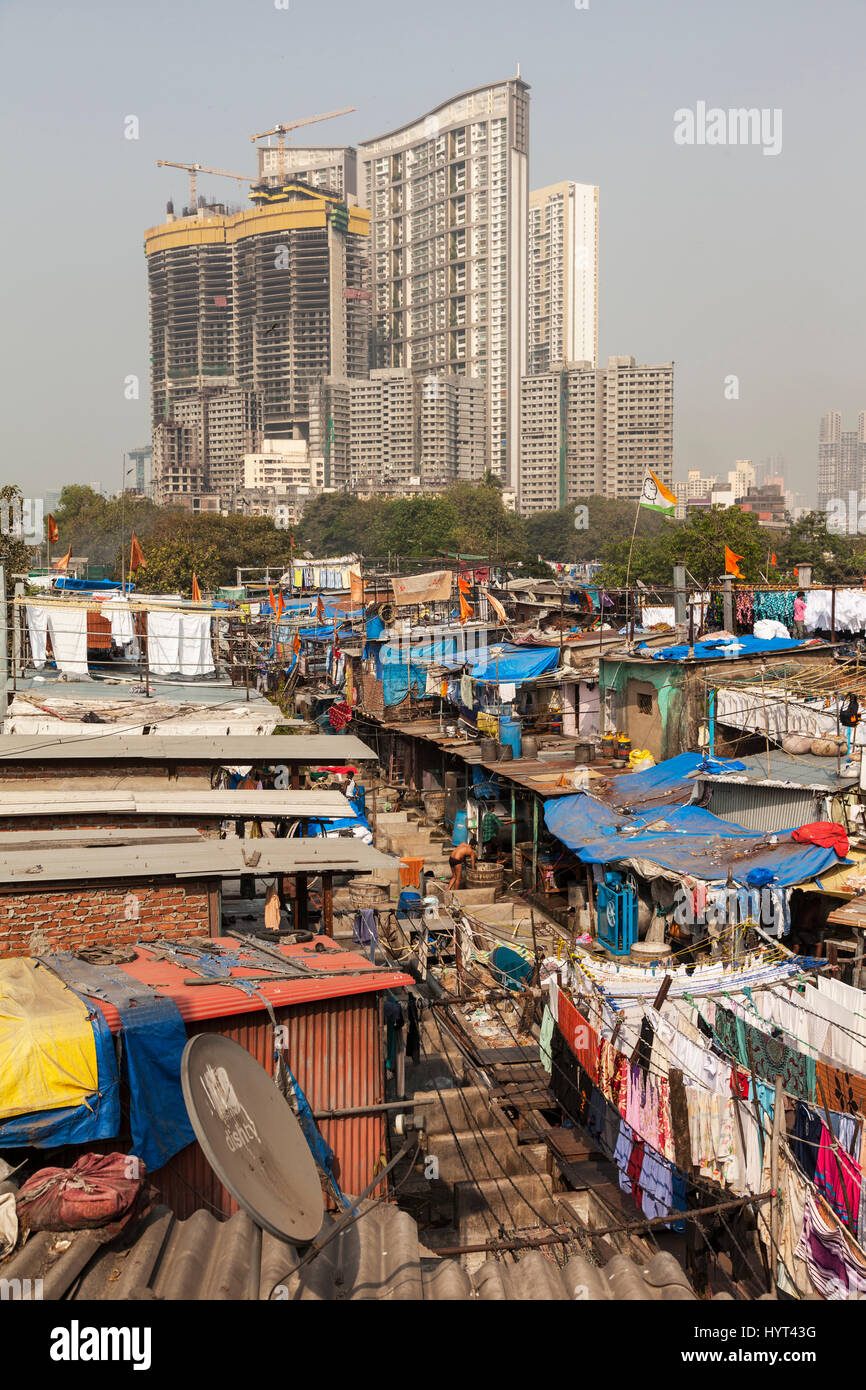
(797, 743)
(828, 747)
(98, 1190)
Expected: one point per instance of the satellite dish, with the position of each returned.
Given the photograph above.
(251, 1138)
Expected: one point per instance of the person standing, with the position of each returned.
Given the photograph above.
(800, 614)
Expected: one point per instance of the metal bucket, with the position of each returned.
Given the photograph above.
(506, 752)
(490, 750)
(485, 876)
(529, 748)
(583, 752)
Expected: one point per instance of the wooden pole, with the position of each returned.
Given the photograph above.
(302, 903)
(328, 904)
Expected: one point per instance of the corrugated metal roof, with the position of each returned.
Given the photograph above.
(230, 750)
(202, 859)
(170, 800)
(379, 1257)
(335, 965)
(765, 809)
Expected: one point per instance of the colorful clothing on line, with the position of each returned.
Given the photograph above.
(838, 1181)
(835, 1268)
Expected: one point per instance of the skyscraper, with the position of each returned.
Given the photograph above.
(563, 275)
(448, 200)
(841, 459)
(261, 303)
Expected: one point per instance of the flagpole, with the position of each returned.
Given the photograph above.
(628, 574)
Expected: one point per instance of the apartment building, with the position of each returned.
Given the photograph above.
(393, 431)
(263, 301)
(448, 200)
(563, 275)
(199, 447)
(281, 464)
(841, 459)
(588, 432)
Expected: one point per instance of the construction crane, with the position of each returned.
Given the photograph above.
(194, 169)
(282, 130)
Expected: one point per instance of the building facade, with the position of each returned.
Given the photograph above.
(841, 459)
(263, 303)
(588, 432)
(394, 431)
(332, 168)
(563, 275)
(448, 197)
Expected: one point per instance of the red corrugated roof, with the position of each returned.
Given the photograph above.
(217, 1001)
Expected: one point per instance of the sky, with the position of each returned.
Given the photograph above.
(731, 262)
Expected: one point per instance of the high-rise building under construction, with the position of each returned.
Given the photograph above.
(254, 306)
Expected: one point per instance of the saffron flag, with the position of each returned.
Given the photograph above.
(64, 563)
(773, 559)
(53, 533)
(732, 565)
(465, 608)
(463, 584)
(196, 591)
(280, 603)
(296, 642)
(273, 600)
(356, 588)
(320, 610)
(655, 495)
(136, 558)
(496, 606)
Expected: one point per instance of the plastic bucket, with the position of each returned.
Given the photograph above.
(461, 834)
(510, 735)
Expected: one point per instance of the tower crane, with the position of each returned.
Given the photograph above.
(282, 130)
(194, 169)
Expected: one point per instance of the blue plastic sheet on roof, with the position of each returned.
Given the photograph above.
(667, 784)
(716, 647)
(515, 664)
(97, 1118)
(154, 1037)
(684, 839)
(66, 581)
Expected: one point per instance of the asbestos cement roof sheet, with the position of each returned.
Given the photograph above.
(377, 1258)
(229, 858)
(263, 750)
(169, 801)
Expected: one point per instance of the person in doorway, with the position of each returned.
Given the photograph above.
(457, 859)
(800, 614)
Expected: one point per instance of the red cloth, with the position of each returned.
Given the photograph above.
(580, 1035)
(339, 715)
(825, 833)
(98, 1190)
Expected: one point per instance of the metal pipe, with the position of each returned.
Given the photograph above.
(374, 1109)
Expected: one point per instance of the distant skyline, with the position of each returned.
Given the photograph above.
(728, 262)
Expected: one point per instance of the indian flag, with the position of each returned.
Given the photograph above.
(654, 494)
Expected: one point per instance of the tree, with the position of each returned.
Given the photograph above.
(172, 561)
(15, 556)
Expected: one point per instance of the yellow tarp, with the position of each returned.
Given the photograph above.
(847, 879)
(47, 1046)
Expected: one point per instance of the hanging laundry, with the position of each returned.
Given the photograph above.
(838, 1178)
(67, 626)
(836, 1268)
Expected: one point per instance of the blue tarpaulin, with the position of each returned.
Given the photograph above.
(684, 839)
(716, 647)
(669, 783)
(154, 1037)
(514, 664)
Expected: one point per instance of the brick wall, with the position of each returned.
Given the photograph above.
(104, 820)
(95, 914)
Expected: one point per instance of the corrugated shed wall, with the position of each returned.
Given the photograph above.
(335, 1049)
(764, 809)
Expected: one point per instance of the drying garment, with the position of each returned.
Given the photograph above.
(775, 605)
(745, 607)
(595, 1118)
(507, 692)
(657, 1186)
(564, 1080)
(544, 1039)
(154, 1037)
(413, 1032)
(850, 615)
(680, 1136)
(272, 908)
(838, 1181)
(769, 627)
(122, 622)
(844, 1090)
(365, 928)
(467, 697)
(622, 1155)
(772, 1057)
(835, 1266)
(67, 627)
(580, 1035)
(806, 1138)
(178, 643)
(339, 715)
(826, 833)
(634, 1171)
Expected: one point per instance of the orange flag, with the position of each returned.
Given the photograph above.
(64, 563)
(732, 565)
(196, 591)
(136, 558)
(773, 558)
(496, 606)
(280, 604)
(464, 584)
(465, 609)
(296, 642)
(320, 610)
(53, 532)
(273, 600)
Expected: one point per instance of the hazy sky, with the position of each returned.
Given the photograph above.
(722, 258)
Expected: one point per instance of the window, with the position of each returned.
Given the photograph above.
(644, 703)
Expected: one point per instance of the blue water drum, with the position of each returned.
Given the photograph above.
(409, 901)
(375, 627)
(509, 733)
(461, 834)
